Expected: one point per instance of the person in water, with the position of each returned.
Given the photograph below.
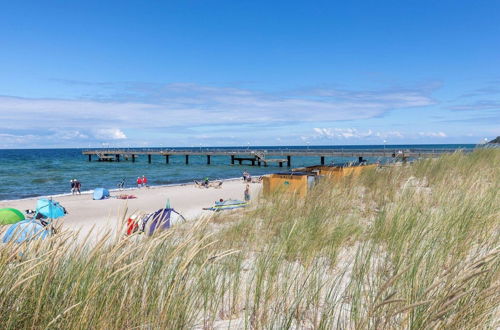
(206, 182)
(121, 184)
(144, 181)
(139, 182)
(78, 186)
(72, 187)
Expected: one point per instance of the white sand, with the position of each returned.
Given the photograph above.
(85, 213)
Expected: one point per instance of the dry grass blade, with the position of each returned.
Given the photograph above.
(21, 281)
(62, 314)
(410, 307)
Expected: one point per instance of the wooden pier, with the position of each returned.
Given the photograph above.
(261, 157)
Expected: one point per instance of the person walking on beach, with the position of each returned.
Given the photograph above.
(139, 182)
(247, 193)
(78, 186)
(72, 186)
(144, 181)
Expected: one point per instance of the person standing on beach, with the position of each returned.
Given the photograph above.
(78, 186)
(247, 193)
(144, 181)
(139, 182)
(72, 187)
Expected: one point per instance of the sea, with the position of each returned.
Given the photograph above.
(28, 173)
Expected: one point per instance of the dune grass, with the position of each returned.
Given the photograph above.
(414, 246)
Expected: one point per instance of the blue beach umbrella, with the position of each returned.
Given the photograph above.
(26, 230)
(50, 209)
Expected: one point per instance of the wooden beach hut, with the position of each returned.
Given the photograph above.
(293, 182)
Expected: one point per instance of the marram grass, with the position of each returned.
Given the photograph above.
(409, 247)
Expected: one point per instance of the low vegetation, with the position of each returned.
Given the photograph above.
(413, 246)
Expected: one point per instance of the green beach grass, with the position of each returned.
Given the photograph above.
(413, 247)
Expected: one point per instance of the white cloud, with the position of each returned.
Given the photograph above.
(433, 134)
(389, 134)
(369, 135)
(69, 134)
(110, 134)
(345, 133)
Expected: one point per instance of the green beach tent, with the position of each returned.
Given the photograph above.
(9, 216)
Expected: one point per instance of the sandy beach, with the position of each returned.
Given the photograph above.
(84, 213)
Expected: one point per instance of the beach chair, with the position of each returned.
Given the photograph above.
(199, 184)
(217, 185)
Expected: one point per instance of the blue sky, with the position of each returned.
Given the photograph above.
(219, 73)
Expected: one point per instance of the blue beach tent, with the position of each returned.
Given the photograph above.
(100, 193)
(161, 220)
(26, 230)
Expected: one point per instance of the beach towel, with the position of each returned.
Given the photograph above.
(124, 196)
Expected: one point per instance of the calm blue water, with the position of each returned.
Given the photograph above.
(40, 172)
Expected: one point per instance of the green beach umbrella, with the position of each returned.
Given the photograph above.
(9, 216)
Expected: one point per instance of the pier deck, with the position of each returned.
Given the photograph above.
(262, 156)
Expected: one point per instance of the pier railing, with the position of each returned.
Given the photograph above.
(281, 151)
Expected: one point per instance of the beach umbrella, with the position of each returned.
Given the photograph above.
(26, 230)
(50, 209)
(9, 216)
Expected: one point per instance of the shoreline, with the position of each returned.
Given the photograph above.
(90, 192)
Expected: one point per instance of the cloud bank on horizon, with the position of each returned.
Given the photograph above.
(231, 73)
(182, 114)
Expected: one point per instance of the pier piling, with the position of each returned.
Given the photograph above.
(288, 161)
(232, 159)
(187, 159)
(149, 158)
(208, 159)
(167, 160)
(90, 157)
(322, 160)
